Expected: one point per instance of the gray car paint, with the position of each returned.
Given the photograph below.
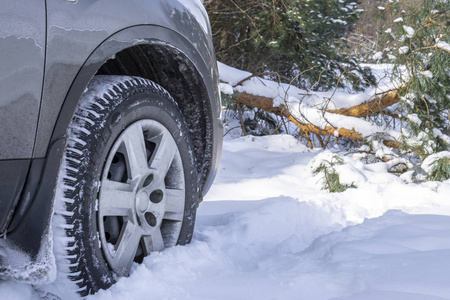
(22, 55)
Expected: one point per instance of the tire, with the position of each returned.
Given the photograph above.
(127, 184)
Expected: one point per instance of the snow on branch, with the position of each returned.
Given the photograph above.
(332, 114)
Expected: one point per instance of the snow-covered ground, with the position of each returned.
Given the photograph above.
(268, 231)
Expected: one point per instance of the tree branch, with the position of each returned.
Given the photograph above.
(368, 108)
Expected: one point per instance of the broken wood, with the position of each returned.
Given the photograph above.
(364, 109)
(369, 108)
(266, 104)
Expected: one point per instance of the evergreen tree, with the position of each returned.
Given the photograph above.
(422, 64)
(295, 38)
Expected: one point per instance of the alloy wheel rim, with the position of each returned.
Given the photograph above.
(141, 198)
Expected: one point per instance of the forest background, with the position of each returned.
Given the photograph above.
(326, 50)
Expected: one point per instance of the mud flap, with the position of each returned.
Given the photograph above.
(17, 265)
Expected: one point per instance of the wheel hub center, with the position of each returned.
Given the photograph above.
(142, 201)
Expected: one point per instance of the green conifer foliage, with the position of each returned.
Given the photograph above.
(289, 37)
(331, 176)
(423, 38)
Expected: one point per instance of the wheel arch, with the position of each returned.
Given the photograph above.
(171, 69)
(188, 72)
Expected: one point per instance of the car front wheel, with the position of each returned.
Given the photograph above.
(127, 185)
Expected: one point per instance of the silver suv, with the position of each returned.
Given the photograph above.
(109, 135)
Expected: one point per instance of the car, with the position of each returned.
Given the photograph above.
(110, 136)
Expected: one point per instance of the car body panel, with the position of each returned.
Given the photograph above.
(22, 56)
(12, 176)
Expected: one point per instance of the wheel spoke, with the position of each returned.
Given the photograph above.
(165, 153)
(126, 247)
(153, 242)
(175, 199)
(116, 198)
(136, 155)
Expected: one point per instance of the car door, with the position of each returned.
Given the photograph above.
(22, 56)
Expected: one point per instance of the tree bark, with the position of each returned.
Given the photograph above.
(362, 110)
(369, 108)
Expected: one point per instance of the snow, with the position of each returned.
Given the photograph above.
(429, 162)
(409, 31)
(443, 45)
(403, 50)
(444, 137)
(267, 230)
(414, 118)
(391, 57)
(230, 74)
(339, 21)
(427, 73)
(377, 56)
(226, 88)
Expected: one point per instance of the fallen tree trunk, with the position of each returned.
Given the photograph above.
(328, 130)
(369, 108)
(266, 104)
(362, 110)
(365, 109)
